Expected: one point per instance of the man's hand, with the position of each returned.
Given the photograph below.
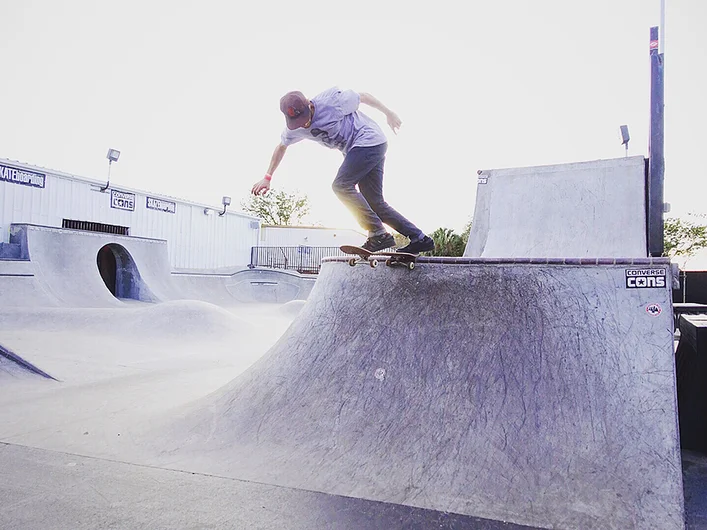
(394, 121)
(261, 187)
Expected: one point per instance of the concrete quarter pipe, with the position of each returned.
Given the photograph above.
(540, 392)
(584, 209)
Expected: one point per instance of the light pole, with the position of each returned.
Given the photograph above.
(226, 201)
(662, 26)
(112, 156)
(623, 131)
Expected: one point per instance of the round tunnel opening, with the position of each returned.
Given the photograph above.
(119, 272)
(107, 267)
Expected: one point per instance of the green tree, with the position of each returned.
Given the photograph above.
(683, 238)
(465, 234)
(447, 243)
(278, 207)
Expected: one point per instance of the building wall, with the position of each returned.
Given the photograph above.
(195, 240)
(308, 236)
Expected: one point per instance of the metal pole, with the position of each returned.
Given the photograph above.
(662, 26)
(656, 160)
(104, 188)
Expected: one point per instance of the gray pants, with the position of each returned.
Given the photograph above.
(363, 166)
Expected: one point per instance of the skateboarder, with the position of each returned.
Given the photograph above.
(332, 119)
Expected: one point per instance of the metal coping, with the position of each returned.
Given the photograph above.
(643, 262)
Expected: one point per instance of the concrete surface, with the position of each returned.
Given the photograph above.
(244, 286)
(48, 490)
(45, 490)
(57, 491)
(586, 209)
(62, 271)
(538, 394)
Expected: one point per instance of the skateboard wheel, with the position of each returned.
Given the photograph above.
(352, 262)
(411, 265)
(388, 262)
(374, 263)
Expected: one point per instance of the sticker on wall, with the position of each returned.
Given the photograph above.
(122, 200)
(654, 309)
(483, 180)
(161, 205)
(646, 278)
(22, 176)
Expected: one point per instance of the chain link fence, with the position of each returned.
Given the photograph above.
(305, 260)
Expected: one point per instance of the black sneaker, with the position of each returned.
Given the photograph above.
(376, 243)
(425, 244)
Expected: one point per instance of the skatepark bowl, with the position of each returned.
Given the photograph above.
(467, 393)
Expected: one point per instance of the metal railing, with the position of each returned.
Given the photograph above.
(305, 260)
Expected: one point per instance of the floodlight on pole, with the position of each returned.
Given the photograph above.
(226, 201)
(623, 131)
(112, 156)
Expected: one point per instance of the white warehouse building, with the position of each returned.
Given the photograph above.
(309, 236)
(198, 236)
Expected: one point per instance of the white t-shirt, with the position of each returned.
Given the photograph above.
(337, 123)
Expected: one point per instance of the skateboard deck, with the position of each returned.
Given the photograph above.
(390, 257)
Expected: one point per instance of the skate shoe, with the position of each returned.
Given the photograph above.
(425, 244)
(376, 243)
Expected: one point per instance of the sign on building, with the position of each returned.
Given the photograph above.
(161, 205)
(122, 200)
(22, 176)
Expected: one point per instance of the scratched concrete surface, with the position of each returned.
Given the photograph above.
(543, 395)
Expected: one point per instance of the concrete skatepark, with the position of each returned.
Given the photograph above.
(504, 389)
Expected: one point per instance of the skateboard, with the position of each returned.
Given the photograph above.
(391, 258)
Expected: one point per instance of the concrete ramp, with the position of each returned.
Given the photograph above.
(585, 209)
(244, 286)
(61, 268)
(538, 392)
(20, 287)
(65, 265)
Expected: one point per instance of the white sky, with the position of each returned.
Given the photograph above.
(189, 92)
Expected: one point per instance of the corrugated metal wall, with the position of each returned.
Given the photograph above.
(195, 240)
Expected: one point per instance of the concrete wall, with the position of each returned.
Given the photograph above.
(586, 209)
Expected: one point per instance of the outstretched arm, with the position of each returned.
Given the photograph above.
(263, 185)
(393, 120)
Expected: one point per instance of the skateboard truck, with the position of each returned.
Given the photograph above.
(391, 258)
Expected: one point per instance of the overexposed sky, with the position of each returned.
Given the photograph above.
(189, 92)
